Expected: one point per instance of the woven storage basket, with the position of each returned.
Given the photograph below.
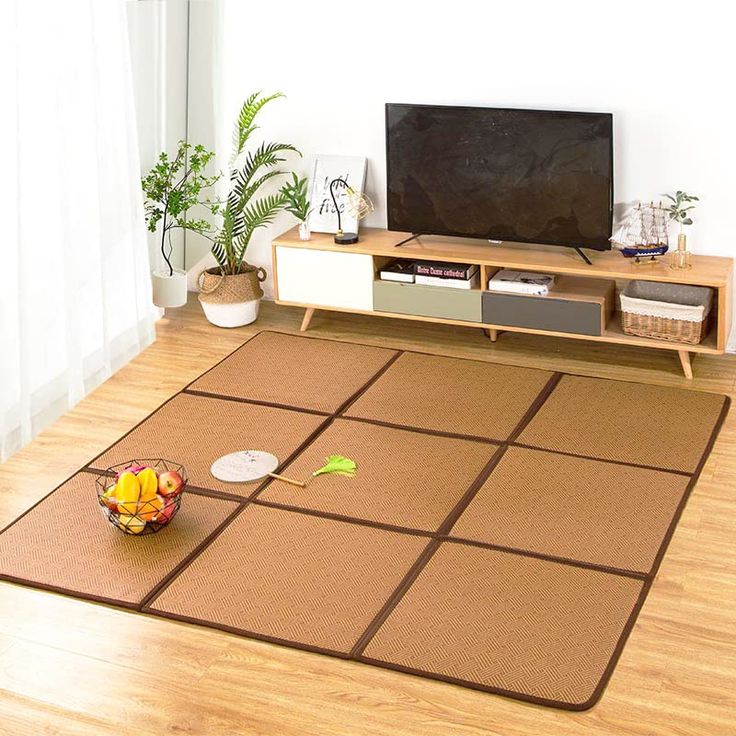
(242, 287)
(673, 312)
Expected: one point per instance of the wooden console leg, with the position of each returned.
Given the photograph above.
(492, 334)
(308, 314)
(687, 367)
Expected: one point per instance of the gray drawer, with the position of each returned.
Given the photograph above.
(542, 313)
(427, 301)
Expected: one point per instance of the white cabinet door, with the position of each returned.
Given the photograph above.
(325, 278)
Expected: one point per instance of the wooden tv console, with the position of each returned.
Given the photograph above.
(318, 275)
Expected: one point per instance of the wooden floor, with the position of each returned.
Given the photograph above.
(69, 667)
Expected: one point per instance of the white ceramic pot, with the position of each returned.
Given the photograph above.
(235, 314)
(169, 291)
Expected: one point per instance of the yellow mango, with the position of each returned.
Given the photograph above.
(150, 509)
(149, 484)
(131, 524)
(128, 492)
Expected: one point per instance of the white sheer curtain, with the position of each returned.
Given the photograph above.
(75, 299)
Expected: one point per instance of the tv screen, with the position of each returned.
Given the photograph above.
(531, 176)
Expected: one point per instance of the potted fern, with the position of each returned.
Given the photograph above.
(230, 293)
(171, 188)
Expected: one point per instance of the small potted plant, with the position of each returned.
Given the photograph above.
(679, 211)
(171, 188)
(297, 203)
(230, 293)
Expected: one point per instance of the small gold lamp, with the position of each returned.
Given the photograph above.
(357, 204)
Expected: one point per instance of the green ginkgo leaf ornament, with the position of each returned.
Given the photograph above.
(337, 464)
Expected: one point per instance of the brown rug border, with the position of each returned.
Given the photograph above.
(435, 539)
(128, 605)
(536, 700)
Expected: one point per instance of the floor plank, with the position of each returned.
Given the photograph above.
(70, 667)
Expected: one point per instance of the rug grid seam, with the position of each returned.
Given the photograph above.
(452, 517)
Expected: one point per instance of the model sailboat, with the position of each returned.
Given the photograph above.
(643, 232)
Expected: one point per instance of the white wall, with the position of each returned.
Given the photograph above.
(663, 69)
(157, 33)
(205, 32)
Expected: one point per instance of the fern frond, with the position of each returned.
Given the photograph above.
(233, 201)
(226, 250)
(218, 251)
(242, 121)
(245, 194)
(265, 155)
(256, 215)
(263, 211)
(237, 146)
(251, 107)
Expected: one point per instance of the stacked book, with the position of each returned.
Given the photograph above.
(431, 273)
(400, 269)
(451, 275)
(521, 282)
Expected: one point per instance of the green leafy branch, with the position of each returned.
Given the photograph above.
(297, 200)
(174, 186)
(678, 211)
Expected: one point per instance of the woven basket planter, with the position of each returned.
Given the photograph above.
(672, 312)
(231, 300)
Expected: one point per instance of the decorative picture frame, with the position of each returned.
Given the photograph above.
(326, 168)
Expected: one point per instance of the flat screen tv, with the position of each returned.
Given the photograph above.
(532, 176)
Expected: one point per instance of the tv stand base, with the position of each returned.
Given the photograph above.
(583, 256)
(407, 240)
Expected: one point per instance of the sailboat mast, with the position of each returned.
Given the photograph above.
(665, 228)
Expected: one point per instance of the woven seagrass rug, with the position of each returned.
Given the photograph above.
(502, 532)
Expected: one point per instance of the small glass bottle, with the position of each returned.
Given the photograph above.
(304, 232)
(680, 258)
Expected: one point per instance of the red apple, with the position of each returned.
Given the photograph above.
(164, 516)
(170, 483)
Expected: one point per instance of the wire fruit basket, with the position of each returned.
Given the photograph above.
(141, 496)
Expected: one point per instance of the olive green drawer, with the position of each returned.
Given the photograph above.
(427, 301)
(542, 313)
